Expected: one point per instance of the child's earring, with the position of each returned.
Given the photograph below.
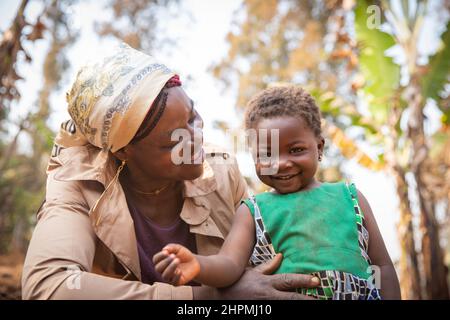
(320, 157)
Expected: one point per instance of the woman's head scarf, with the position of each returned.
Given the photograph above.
(109, 99)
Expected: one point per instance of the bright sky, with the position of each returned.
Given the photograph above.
(200, 44)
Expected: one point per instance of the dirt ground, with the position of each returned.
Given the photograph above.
(10, 273)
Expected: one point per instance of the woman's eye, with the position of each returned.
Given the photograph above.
(297, 150)
(168, 147)
(193, 117)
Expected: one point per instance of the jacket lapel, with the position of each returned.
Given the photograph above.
(110, 215)
(115, 227)
(196, 209)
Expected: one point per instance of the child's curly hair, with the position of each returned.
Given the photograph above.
(283, 101)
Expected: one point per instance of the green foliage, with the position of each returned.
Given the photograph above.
(380, 72)
(137, 22)
(438, 73)
(22, 178)
(278, 41)
(22, 189)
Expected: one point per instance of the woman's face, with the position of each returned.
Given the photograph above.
(154, 155)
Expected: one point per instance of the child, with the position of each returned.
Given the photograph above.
(319, 228)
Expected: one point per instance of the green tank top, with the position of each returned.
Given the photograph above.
(315, 230)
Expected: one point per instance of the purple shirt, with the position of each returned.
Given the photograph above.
(151, 238)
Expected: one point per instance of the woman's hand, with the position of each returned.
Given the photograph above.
(258, 283)
(177, 264)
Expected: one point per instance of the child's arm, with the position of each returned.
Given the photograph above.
(390, 288)
(179, 266)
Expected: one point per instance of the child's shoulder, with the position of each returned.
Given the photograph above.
(345, 186)
(259, 200)
(342, 184)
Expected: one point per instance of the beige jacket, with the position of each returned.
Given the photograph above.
(84, 244)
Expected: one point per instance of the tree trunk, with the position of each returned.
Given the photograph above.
(433, 260)
(409, 266)
(10, 150)
(10, 46)
(18, 240)
(410, 280)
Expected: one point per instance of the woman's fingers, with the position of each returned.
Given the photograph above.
(254, 285)
(169, 272)
(285, 286)
(160, 256)
(172, 248)
(176, 278)
(269, 267)
(163, 264)
(181, 252)
(168, 268)
(290, 281)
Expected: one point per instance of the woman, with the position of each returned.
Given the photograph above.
(115, 196)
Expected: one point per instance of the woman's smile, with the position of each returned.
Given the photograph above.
(199, 157)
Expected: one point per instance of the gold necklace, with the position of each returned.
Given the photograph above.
(152, 193)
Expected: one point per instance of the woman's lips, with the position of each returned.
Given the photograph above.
(199, 157)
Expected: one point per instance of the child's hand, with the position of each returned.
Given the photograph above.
(177, 264)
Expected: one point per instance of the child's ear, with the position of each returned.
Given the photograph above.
(320, 145)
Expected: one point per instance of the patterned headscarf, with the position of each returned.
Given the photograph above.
(110, 99)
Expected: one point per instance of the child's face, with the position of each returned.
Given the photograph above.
(299, 151)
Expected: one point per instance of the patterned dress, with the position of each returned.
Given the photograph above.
(334, 284)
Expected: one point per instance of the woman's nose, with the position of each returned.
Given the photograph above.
(196, 133)
(196, 141)
(197, 124)
(199, 120)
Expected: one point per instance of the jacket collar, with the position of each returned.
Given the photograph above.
(90, 163)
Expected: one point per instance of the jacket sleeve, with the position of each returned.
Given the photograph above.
(59, 260)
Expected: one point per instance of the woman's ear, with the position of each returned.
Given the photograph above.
(121, 154)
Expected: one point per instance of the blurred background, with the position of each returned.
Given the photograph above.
(379, 70)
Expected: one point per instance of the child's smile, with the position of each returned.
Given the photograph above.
(299, 151)
(284, 176)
